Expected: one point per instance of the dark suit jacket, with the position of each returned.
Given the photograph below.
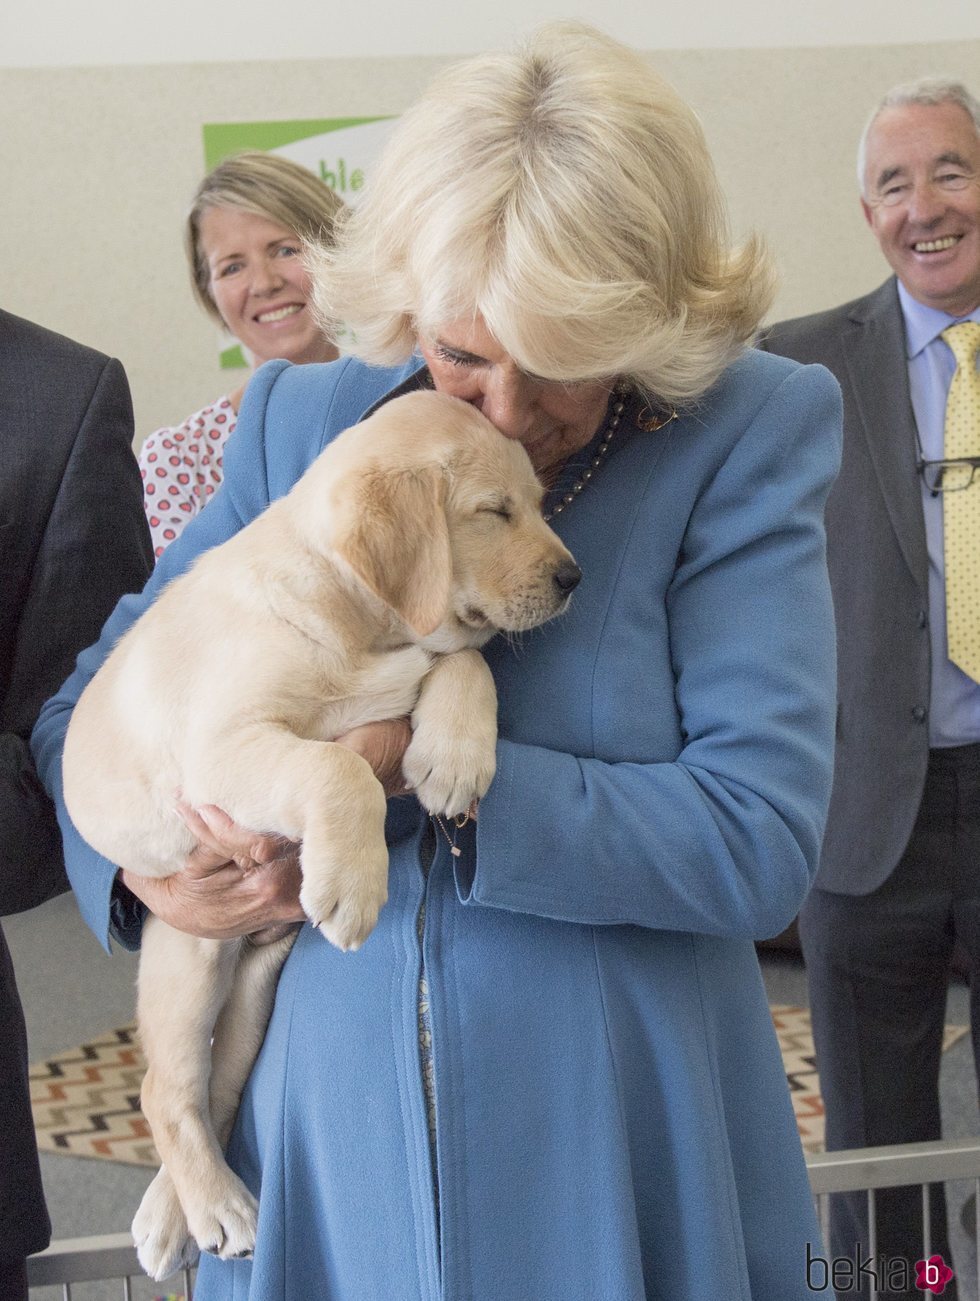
(879, 575)
(73, 539)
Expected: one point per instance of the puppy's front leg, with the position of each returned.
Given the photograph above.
(324, 795)
(452, 756)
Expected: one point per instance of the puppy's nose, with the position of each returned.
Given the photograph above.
(567, 577)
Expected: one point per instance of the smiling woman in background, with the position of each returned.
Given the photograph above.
(244, 238)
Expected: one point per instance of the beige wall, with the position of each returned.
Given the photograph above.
(97, 165)
(64, 33)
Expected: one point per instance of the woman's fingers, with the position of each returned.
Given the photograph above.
(235, 881)
(221, 840)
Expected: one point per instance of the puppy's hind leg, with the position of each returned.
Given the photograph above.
(163, 1241)
(242, 1025)
(183, 983)
(238, 1036)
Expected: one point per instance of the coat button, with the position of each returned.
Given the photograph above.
(923, 618)
(919, 713)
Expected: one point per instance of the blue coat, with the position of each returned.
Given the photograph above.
(613, 1123)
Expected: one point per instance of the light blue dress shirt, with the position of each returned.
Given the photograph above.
(954, 707)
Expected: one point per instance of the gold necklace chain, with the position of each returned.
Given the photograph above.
(458, 822)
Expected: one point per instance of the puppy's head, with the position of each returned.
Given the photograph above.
(439, 515)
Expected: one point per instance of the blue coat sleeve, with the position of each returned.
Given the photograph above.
(243, 495)
(725, 838)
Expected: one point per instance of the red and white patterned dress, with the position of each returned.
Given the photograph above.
(181, 469)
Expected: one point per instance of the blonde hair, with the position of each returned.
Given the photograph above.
(269, 186)
(564, 193)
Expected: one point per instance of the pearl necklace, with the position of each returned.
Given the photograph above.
(580, 484)
(649, 420)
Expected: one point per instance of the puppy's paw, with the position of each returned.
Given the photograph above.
(344, 902)
(163, 1241)
(449, 772)
(224, 1222)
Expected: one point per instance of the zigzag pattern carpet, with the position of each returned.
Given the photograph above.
(86, 1100)
(800, 1064)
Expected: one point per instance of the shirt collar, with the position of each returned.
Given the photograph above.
(924, 324)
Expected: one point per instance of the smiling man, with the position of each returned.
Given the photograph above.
(899, 880)
(918, 169)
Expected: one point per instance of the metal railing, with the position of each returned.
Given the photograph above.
(94, 1260)
(869, 1169)
(79, 1260)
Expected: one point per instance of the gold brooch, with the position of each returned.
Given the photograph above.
(650, 420)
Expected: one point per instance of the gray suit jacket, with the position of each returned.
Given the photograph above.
(879, 575)
(73, 539)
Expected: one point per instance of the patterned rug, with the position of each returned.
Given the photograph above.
(86, 1100)
(796, 1043)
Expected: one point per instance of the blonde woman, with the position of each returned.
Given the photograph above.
(587, 1102)
(244, 238)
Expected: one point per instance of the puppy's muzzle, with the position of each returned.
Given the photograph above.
(567, 577)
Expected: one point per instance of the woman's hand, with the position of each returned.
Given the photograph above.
(383, 745)
(239, 882)
(235, 882)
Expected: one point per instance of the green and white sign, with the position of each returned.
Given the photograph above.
(341, 151)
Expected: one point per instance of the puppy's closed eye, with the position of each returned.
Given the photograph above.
(504, 509)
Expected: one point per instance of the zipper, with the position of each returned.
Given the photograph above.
(428, 848)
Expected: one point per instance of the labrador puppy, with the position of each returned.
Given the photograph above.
(361, 595)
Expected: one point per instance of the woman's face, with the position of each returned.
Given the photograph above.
(550, 418)
(260, 287)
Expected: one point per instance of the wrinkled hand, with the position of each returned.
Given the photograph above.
(240, 882)
(235, 882)
(383, 745)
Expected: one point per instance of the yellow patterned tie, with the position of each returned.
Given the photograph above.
(961, 509)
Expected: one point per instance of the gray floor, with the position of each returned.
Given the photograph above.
(72, 990)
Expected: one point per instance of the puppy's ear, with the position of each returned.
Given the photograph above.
(396, 540)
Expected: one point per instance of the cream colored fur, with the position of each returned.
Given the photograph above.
(362, 595)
